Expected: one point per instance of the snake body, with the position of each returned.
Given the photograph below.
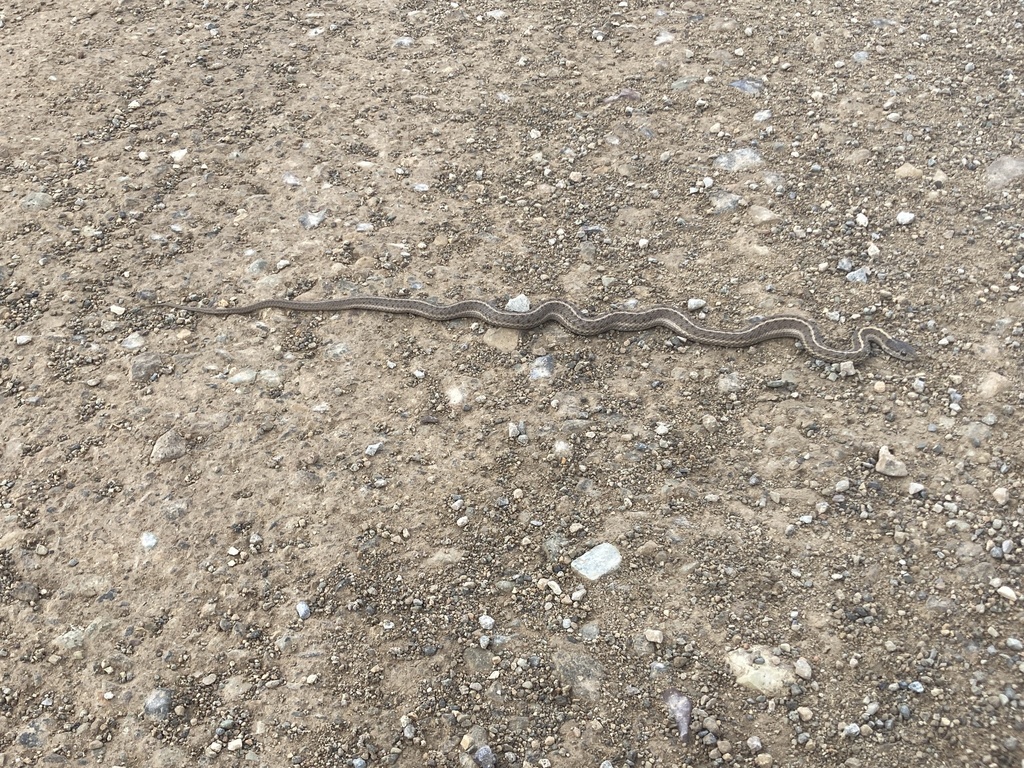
(570, 317)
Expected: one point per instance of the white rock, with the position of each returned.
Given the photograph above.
(889, 465)
(597, 562)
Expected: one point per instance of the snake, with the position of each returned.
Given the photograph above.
(577, 322)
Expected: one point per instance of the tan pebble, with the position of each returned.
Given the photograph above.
(879, 387)
(1008, 593)
(805, 713)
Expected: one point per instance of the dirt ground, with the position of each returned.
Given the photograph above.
(348, 539)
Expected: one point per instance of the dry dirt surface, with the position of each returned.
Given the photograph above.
(348, 539)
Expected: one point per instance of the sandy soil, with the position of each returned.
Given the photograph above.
(177, 490)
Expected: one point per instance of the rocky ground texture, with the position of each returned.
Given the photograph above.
(353, 539)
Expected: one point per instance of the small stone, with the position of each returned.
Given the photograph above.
(851, 731)
(518, 303)
(22, 339)
(1001, 495)
(694, 305)
(486, 622)
(484, 757)
(802, 667)
(763, 760)
(168, 447)
(904, 218)
(302, 609)
(655, 636)
(313, 219)
(730, 383)
(1007, 593)
(1014, 644)
(761, 215)
(754, 745)
(597, 562)
(742, 159)
(908, 171)
(1001, 172)
(859, 275)
(914, 488)
(805, 714)
(244, 376)
(889, 465)
(36, 201)
(373, 448)
(158, 704)
(145, 367)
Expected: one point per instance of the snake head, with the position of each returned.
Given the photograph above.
(900, 350)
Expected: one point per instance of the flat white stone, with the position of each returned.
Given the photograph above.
(597, 562)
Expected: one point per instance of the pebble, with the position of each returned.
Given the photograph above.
(486, 622)
(313, 219)
(1000, 173)
(518, 303)
(1001, 496)
(805, 714)
(543, 367)
(859, 275)
(133, 341)
(597, 562)
(1007, 593)
(695, 305)
(655, 636)
(146, 367)
(908, 171)
(904, 218)
(22, 339)
(914, 488)
(724, 202)
(802, 667)
(272, 379)
(373, 448)
(36, 201)
(302, 609)
(244, 376)
(889, 465)
(730, 383)
(741, 159)
(1014, 644)
(850, 731)
(484, 757)
(158, 704)
(168, 447)
(761, 215)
